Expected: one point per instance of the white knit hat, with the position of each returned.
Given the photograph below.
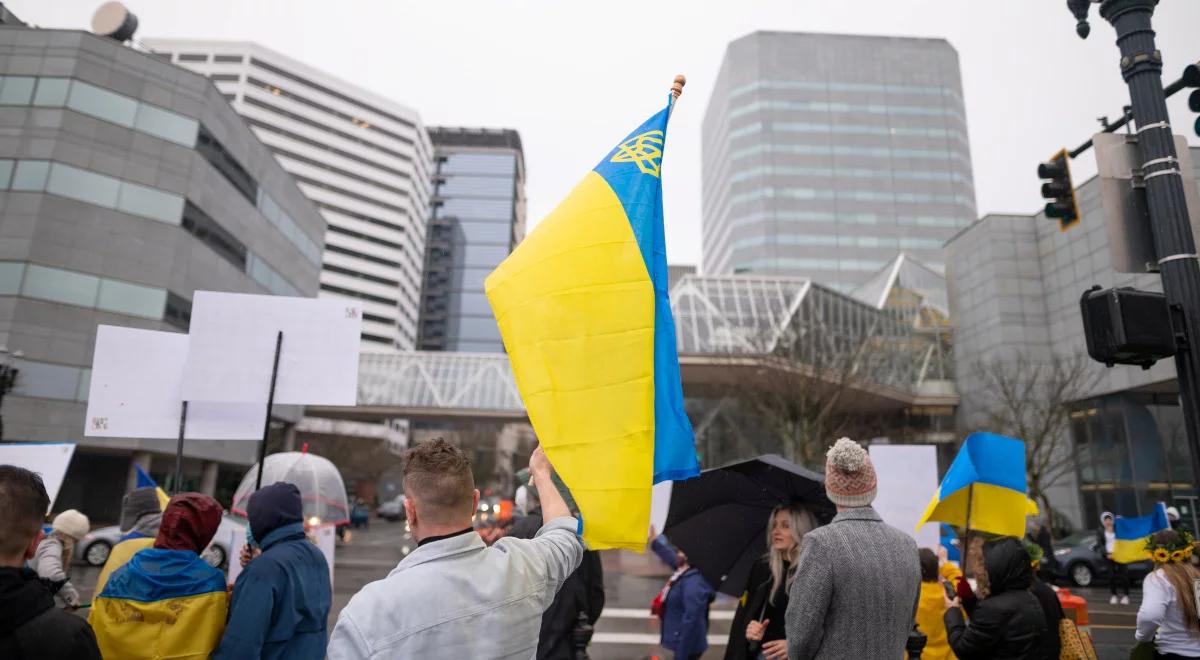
(72, 523)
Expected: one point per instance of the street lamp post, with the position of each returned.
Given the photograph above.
(8, 378)
(1141, 67)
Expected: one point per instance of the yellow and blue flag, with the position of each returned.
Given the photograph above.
(146, 481)
(582, 307)
(1132, 534)
(161, 604)
(989, 471)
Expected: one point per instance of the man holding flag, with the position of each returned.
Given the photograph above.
(582, 307)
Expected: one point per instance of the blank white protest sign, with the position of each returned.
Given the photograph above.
(136, 392)
(907, 478)
(232, 347)
(49, 459)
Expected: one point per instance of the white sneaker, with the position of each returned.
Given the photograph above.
(1124, 600)
(1113, 600)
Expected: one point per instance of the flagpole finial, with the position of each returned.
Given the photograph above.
(677, 86)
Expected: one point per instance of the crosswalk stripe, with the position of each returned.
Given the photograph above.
(644, 638)
(644, 613)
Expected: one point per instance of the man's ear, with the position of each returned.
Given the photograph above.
(410, 511)
(31, 549)
(475, 504)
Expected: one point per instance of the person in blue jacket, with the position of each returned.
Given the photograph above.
(685, 602)
(281, 600)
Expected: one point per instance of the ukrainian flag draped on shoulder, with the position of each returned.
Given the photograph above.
(988, 472)
(582, 307)
(161, 604)
(1132, 534)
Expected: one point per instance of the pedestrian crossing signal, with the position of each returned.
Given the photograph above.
(1058, 189)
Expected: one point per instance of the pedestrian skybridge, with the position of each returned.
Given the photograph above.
(889, 348)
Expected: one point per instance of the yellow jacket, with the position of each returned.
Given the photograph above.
(930, 609)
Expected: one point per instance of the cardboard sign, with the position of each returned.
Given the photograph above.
(49, 459)
(137, 392)
(907, 478)
(232, 348)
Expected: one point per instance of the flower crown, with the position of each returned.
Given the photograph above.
(1176, 552)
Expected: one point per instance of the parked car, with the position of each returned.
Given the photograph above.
(1081, 563)
(95, 546)
(392, 509)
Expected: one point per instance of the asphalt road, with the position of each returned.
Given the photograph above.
(627, 631)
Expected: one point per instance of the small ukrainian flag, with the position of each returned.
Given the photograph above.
(582, 307)
(984, 489)
(1132, 534)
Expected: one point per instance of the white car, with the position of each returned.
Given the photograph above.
(392, 509)
(93, 548)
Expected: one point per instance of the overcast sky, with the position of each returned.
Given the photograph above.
(575, 77)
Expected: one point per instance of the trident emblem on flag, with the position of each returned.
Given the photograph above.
(645, 150)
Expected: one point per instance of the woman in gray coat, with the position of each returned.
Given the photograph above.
(52, 561)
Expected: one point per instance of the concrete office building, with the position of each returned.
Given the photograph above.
(826, 155)
(126, 184)
(364, 160)
(478, 218)
(1015, 283)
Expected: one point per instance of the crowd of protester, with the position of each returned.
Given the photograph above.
(528, 588)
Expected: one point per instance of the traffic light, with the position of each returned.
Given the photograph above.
(1059, 191)
(1191, 78)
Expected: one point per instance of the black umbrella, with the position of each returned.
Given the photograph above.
(720, 518)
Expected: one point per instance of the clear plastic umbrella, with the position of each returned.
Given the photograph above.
(320, 484)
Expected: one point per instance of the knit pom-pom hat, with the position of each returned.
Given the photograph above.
(849, 475)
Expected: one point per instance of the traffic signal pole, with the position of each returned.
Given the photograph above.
(1141, 66)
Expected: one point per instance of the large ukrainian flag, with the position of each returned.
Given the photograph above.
(161, 604)
(582, 307)
(1133, 534)
(989, 474)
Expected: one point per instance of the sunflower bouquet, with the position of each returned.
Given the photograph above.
(1175, 552)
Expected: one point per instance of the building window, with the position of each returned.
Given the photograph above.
(98, 189)
(229, 59)
(48, 381)
(202, 226)
(100, 103)
(334, 93)
(178, 311)
(131, 299)
(215, 153)
(193, 57)
(376, 338)
(362, 296)
(62, 286)
(11, 274)
(375, 318)
(16, 90)
(31, 175)
(360, 275)
(225, 77)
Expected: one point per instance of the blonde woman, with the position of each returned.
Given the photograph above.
(758, 625)
(1168, 617)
